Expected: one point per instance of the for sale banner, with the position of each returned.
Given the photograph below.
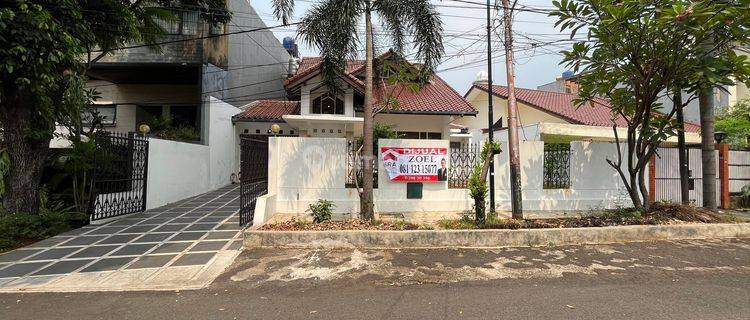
(415, 164)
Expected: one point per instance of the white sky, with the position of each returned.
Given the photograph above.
(465, 42)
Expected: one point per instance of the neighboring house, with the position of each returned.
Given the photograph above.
(311, 110)
(546, 116)
(140, 84)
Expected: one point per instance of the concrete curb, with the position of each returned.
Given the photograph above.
(367, 239)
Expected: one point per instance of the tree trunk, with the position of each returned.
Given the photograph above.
(366, 198)
(27, 156)
(682, 149)
(708, 153)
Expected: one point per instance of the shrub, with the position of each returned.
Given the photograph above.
(478, 192)
(321, 210)
(20, 229)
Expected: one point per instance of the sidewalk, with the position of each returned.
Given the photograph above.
(183, 245)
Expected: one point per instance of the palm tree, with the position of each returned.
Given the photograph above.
(332, 27)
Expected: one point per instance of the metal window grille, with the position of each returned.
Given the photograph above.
(354, 169)
(464, 157)
(556, 166)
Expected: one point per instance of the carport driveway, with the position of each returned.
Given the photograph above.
(183, 245)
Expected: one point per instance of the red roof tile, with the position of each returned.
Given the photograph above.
(435, 97)
(562, 105)
(267, 110)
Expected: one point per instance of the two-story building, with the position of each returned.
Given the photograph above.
(140, 85)
(311, 110)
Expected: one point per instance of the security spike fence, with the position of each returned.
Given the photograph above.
(463, 157)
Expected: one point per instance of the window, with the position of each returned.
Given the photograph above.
(217, 28)
(184, 23)
(107, 113)
(420, 135)
(556, 166)
(327, 104)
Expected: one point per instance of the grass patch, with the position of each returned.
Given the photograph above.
(659, 214)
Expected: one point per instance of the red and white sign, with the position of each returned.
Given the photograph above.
(415, 164)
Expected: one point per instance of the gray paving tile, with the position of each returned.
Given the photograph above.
(95, 251)
(201, 227)
(172, 247)
(236, 245)
(153, 237)
(187, 236)
(54, 253)
(229, 227)
(65, 266)
(19, 254)
(138, 229)
(133, 249)
(78, 231)
(20, 269)
(107, 264)
(209, 246)
(152, 261)
(49, 242)
(106, 230)
(119, 239)
(183, 220)
(82, 241)
(154, 221)
(216, 235)
(124, 222)
(193, 259)
(170, 228)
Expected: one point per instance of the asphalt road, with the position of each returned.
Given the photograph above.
(663, 280)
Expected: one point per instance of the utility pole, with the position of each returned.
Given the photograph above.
(515, 162)
(491, 120)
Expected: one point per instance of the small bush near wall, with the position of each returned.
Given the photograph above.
(20, 229)
(321, 210)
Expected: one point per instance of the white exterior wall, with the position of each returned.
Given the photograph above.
(178, 170)
(303, 170)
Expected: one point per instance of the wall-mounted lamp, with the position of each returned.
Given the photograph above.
(144, 129)
(275, 128)
(719, 136)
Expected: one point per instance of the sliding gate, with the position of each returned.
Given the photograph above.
(253, 174)
(667, 175)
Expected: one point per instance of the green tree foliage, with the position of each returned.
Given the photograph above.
(45, 48)
(735, 122)
(632, 52)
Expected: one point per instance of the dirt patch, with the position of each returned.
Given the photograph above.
(352, 224)
(659, 214)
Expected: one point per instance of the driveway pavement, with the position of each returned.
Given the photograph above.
(179, 246)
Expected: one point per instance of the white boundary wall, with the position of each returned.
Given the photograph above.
(303, 170)
(178, 170)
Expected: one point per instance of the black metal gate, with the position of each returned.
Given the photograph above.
(120, 171)
(253, 174)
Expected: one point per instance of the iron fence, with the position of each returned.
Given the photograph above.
(120, 169)
(463, 159)
(253, 175)
(556, 166)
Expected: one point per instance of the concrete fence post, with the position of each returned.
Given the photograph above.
(723, 174)
(652, 179)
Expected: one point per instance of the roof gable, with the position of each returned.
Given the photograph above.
(597, 113)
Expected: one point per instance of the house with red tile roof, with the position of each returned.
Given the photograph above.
(548, 116)
(312, 110)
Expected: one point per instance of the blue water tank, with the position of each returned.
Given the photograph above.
(567, 74)
(288, 43)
